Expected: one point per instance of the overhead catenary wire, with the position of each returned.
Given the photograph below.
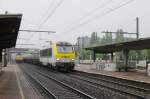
(92, 11)
(23, 38)
(49, 7)
(101, 15)
(47, 11)
(38, 31)
(51, 13)
(25, 44)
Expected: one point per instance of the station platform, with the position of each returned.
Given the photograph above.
(139, 76)
(13, 84)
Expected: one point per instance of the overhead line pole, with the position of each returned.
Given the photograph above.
(137, 35)
(137, 27)
(117, 32)
(137, 30)
(38, 31)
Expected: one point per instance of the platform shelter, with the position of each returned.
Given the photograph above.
(143, 43)
(9, 27)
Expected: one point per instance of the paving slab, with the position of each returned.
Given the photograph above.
(14, 85)
(8, 84)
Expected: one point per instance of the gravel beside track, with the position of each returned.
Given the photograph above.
(140, 85)
(130, 89)
(31, 89)
(38, 86)
(61, 91)
(90, 86)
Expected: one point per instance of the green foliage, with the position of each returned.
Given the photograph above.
(85, 54)
(94, 39)
(143, 55)
(107, 39)
(119, 36)
(132, 55)
(148, 54)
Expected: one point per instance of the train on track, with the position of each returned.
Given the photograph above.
(19, 58)
(56, 55)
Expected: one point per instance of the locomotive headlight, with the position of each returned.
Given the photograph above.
(57, 59)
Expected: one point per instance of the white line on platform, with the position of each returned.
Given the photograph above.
(19, 85)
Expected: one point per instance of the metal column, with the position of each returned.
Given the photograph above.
(112, 57)
(5, 58)
(125, 54)
(94, 55)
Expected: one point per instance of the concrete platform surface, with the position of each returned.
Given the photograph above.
(8, 84)
(13, 84)
(136, 75)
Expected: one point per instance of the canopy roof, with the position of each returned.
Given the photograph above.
(143, 43)
(9, 27)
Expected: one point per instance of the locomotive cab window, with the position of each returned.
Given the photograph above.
(65, 49)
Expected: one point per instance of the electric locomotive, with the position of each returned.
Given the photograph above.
(58, 55)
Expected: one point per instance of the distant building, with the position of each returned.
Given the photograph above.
(83, 42)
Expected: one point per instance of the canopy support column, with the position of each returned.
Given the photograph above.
(112, 56)
(94, 55)
(125, 54)
(5, 58)
(0, 55)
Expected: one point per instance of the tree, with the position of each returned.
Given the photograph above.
(132, 55)
(85, 54)
(107, 39)
(148, 53)
(143, 55)
(119, 36)
(94, 38)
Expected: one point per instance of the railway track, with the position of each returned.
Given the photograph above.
(121, 87)
(39, 85)
(80, 93)
(59, 90)
(125, 82)
(96, 87)
(98, 92)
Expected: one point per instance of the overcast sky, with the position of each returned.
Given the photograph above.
(73, 18)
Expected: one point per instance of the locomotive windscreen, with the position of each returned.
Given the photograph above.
(63, 44)
(65, 49)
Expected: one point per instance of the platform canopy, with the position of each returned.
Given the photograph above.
(143, 43)
(9, 27)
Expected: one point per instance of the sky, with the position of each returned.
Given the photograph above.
(75, 18)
